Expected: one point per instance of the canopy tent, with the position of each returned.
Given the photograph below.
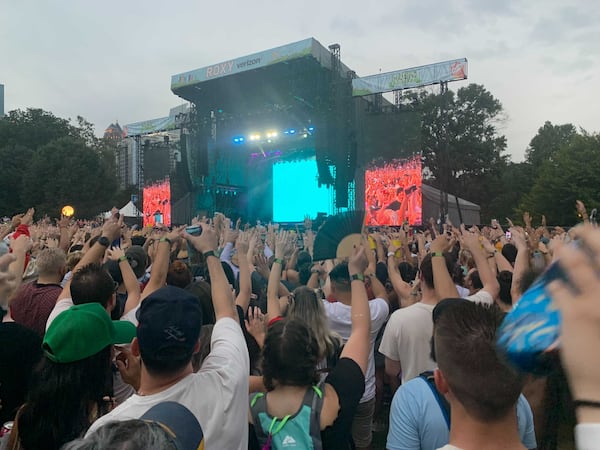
(129, 210)
(431, 207)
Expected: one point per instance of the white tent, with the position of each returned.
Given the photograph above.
(129, 210)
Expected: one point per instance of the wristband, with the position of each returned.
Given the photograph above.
(357, 276)
(391, 254)
(165, 239)
(278, 260)
(434, 254)
(122, 258)
(209, 253)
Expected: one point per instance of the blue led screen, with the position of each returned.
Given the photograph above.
(296, 192)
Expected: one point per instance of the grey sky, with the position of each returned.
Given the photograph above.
(113, 59)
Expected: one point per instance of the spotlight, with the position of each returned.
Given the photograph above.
(311, 128)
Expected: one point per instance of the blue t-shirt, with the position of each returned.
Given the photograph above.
(417, 422)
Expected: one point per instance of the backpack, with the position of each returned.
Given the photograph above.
(444, 405)
(299, 431)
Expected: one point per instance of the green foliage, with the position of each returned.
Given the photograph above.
(515, 180)
(48, 162)
(548, 140)
(66, 171)
(571, 174)
(462, 146)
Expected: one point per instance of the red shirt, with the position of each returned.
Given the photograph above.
(33, 303)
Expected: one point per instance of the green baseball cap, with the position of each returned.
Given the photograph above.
(82, 331)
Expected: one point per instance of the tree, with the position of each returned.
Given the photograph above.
(67, 171)
(48, 161)
(461, 144)
(548, 140)
(571, 174)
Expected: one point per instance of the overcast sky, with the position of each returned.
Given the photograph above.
(113, 59)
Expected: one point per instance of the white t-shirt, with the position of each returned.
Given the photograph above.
(407, 338)
(217, 395)
(61, 306)
(340, 321)
(482, 296)
(66, 303)
(449, 447)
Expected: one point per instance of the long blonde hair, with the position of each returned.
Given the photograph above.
(308, 307)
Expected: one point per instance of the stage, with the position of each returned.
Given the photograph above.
(292, 132)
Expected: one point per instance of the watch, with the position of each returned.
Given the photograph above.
(357, 276)
(103, 240)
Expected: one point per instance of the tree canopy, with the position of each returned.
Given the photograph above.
(462, 146)
(49, 162)
(570, 174)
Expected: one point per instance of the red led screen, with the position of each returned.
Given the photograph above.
(157, 204)
(393, 193)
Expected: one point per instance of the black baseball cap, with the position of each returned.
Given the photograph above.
(170, 320)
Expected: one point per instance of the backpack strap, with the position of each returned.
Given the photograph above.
(314, 399)
(442, 402)
(258, 404)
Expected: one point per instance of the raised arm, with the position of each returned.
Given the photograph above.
(161, 261)
(579, 305)
(222, 296)
(402, 288)
(358, 346)
(129, 279)
(376, 286)
(442, 281)
(488, 278)
(245, 280)
(19, 246)
(110, 231)
(521, 263)
(496, 259)
(273, 306)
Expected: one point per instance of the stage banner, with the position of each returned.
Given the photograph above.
(410, 78)
(149, 126)
(245, 63)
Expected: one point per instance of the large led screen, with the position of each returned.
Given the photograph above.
(393, 193)
(296, 192)
(157, 204)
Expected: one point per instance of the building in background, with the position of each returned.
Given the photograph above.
(114, 132)
(146, 151)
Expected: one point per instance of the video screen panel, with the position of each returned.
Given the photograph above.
(296, 192)
(393, 193)
(157, 204)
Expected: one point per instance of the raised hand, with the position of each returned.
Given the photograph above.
(207, 241)
(256, 324)
(358, 261)
(22, 244)
(242, 244)
(281, 242)
(114, 253)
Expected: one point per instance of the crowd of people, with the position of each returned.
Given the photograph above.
(232, 337)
